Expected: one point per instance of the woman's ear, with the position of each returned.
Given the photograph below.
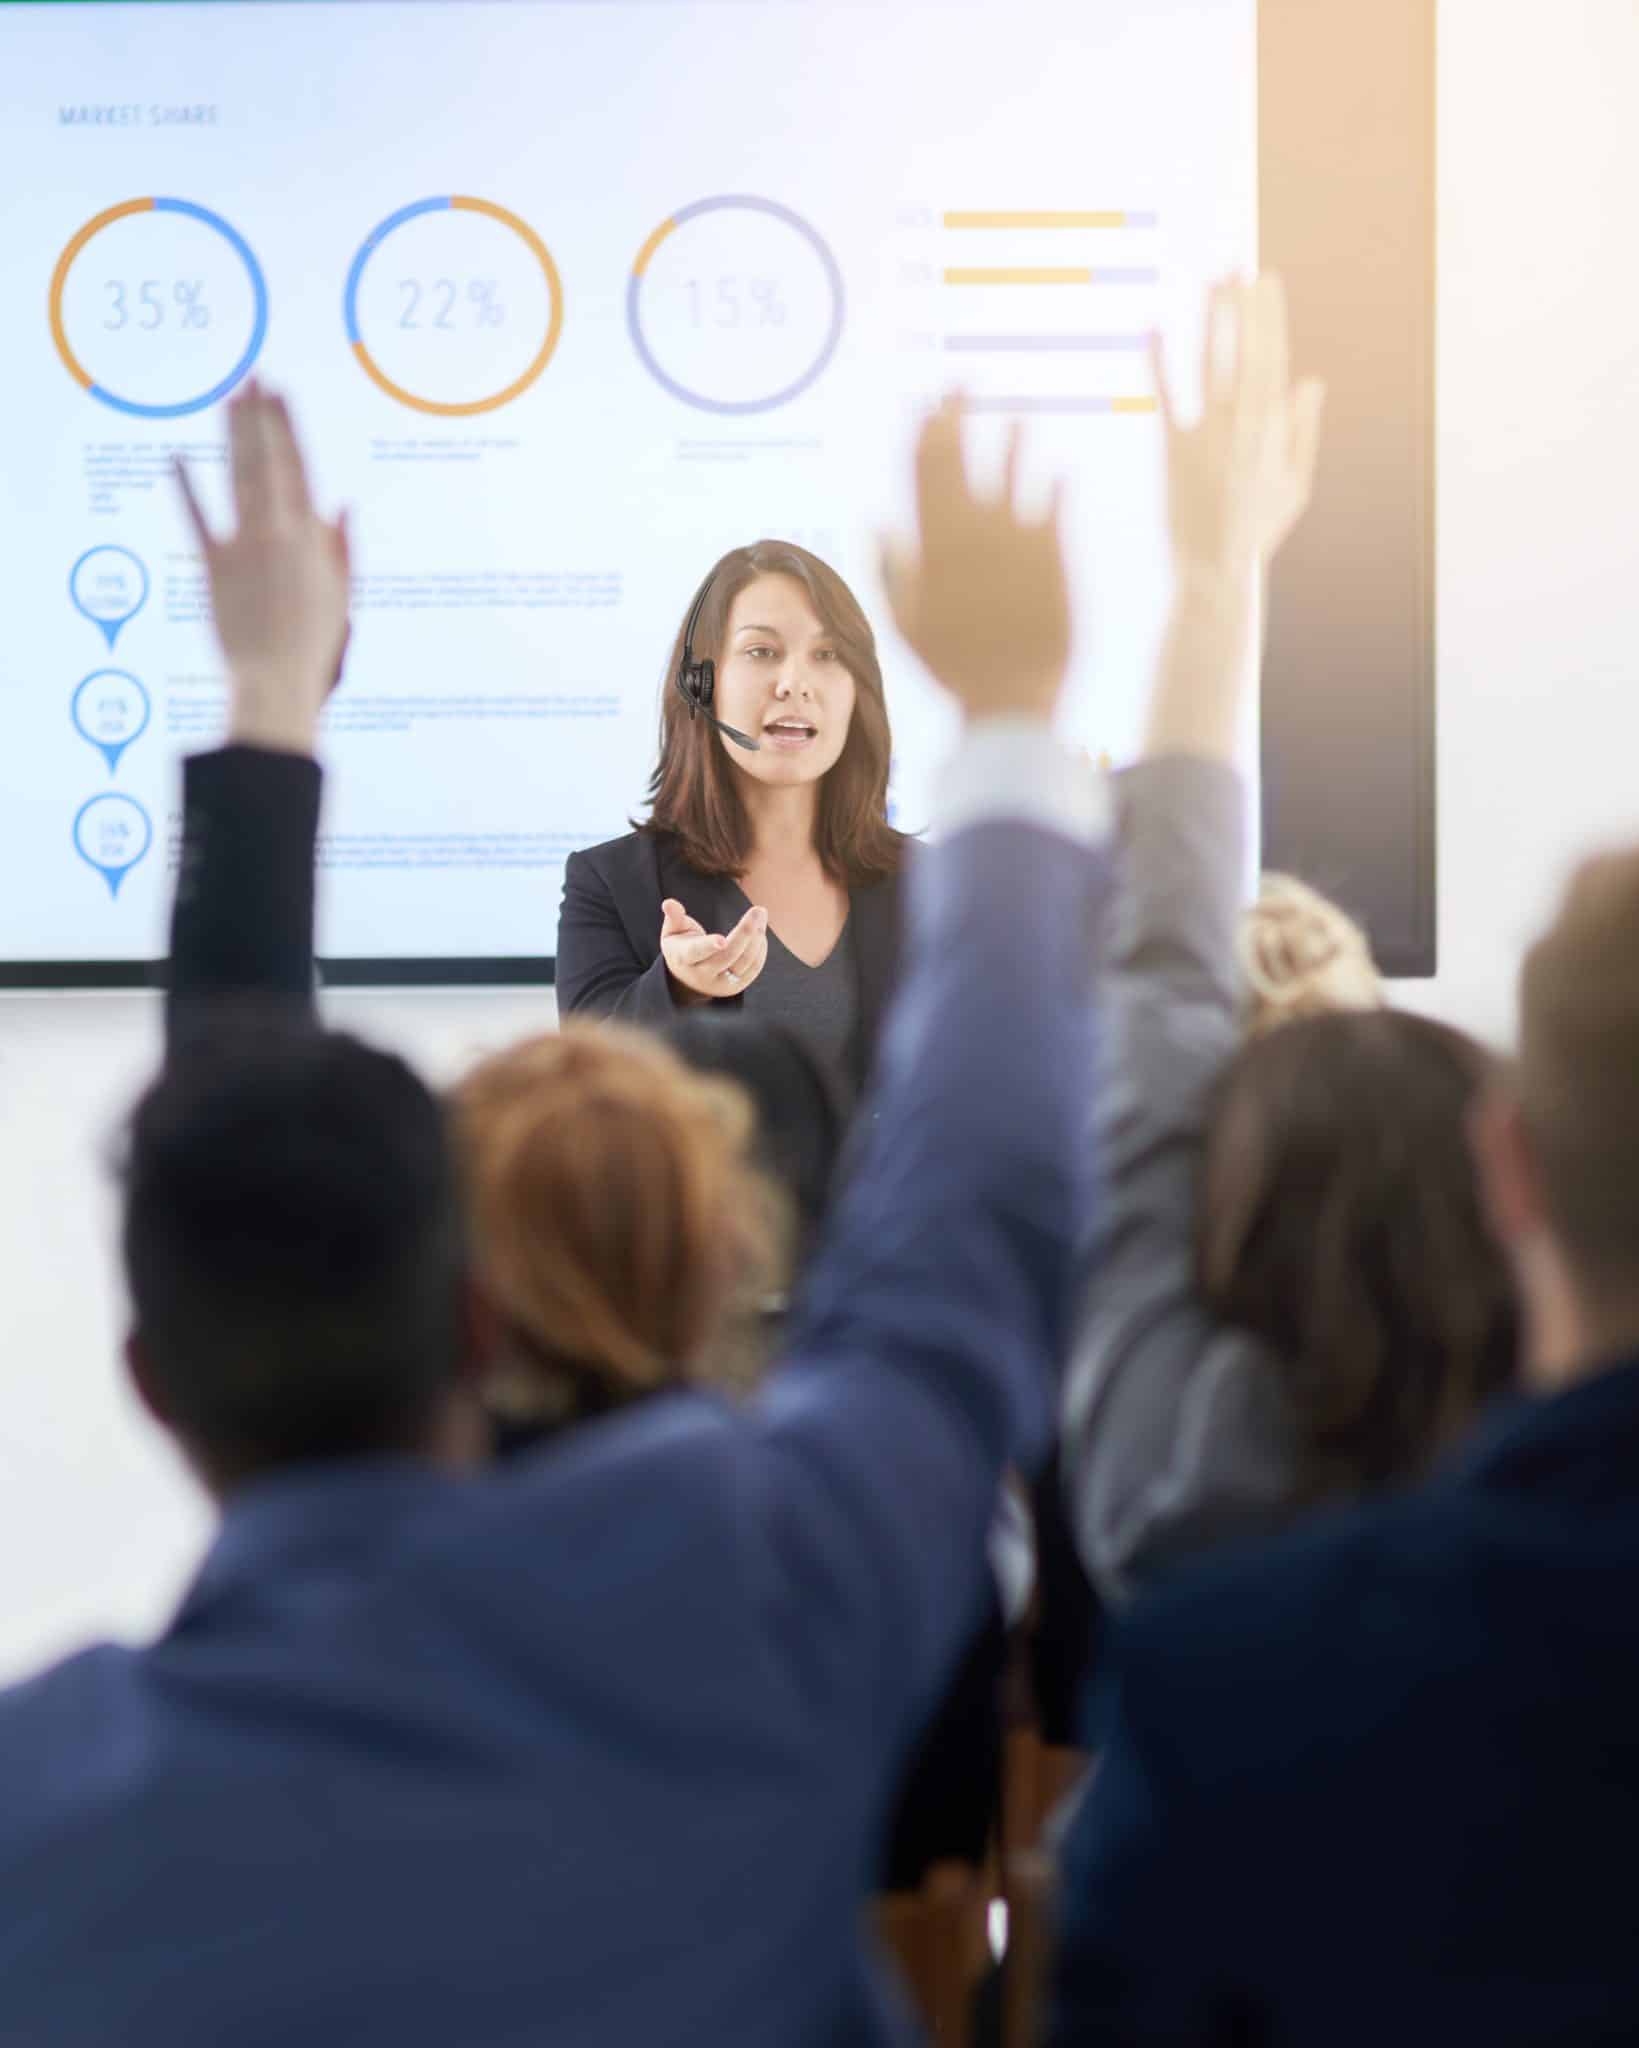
(1505, 1168)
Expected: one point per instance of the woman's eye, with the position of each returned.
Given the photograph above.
(825, 654)
(755, 651)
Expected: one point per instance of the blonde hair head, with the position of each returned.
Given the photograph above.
(615, 1210)
(1300, 956)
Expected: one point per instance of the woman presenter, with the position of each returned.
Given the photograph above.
(766, 876)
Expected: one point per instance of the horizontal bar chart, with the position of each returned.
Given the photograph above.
(1050, 273)
(1056, 340)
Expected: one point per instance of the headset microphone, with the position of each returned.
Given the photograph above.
(698, 679)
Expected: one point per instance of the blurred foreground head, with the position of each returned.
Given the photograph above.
(1340, 1221)
(294, 1253)
(617, 1217)
(1559, 1142)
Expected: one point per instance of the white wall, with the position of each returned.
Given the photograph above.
(99, 1522)
(1538, 731)
(1538, 451)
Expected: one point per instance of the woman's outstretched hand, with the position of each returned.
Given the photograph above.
(982, 596)
(706, 966)
(279, 584)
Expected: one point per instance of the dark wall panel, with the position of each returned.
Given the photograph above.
(1347, 126)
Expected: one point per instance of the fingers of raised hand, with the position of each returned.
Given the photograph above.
(288, 467)
(901, 576)
(1163, 382)
(191, 504)
(250, 461)
(942, 489)
(1274, 342)
(1218, 348)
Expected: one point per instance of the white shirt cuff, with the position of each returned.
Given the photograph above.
(1017, 768)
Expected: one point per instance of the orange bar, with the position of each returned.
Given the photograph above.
(1019, 274)
(1035, 219)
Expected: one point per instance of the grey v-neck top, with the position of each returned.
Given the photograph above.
(819, 1005)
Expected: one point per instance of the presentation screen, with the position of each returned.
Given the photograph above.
(568, 299)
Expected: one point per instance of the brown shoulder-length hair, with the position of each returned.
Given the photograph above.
(692, 793)
(1339, 1221)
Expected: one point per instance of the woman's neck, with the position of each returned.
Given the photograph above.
(782, 820)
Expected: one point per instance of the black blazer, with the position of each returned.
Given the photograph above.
(609, 960)
(242, 916)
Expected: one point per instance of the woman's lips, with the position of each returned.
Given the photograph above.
(789, 738)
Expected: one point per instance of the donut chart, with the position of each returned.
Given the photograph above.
(417, 342)
(203, 352)
(735, 304)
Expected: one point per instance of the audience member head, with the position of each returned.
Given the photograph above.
(774, 610)
(1339, 1222)
(1301, 956)
(1558, 1139)
(293, 1247)
(616, 1216)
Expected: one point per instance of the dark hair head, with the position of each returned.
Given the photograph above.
(293, 1248)
(799, 1122)
(1340, 1223)
(692, 791)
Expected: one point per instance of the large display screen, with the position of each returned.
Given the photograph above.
(569, 298)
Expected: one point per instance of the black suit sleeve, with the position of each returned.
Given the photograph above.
(598, 969)
(242, 920)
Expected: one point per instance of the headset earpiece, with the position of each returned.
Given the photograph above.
(697, 680)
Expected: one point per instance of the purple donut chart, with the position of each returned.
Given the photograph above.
(735, 305)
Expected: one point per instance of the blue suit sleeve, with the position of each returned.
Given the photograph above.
(924, 1358)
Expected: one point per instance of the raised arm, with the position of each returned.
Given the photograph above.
(242, 921)
(1173, 1433)
(923, 1359)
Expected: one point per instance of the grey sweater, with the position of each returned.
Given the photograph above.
(1176, 1436)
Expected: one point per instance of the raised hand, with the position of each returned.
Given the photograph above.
(1240, 478)
(278, 585)
(707, 966)
(982, 598)
(1237, 483)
